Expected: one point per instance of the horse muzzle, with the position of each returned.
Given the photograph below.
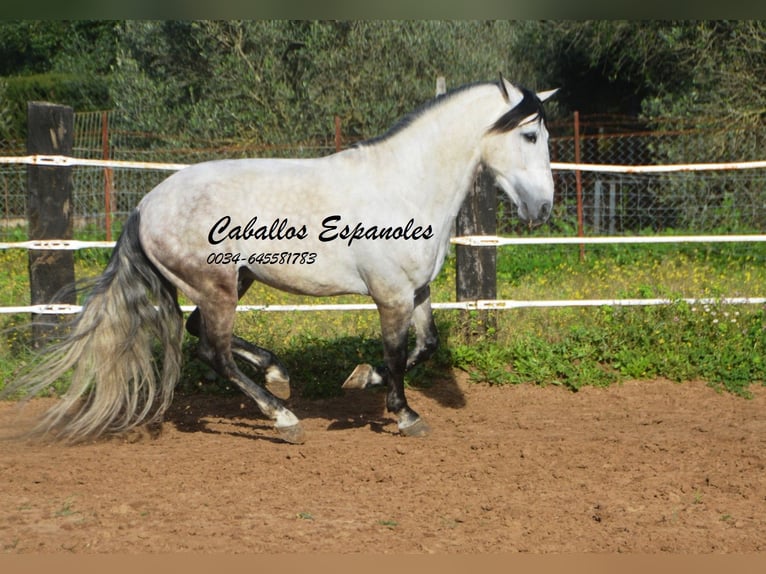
(534, 214)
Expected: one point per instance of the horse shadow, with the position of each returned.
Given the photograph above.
(207, 403)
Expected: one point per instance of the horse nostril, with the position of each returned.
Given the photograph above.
(535, 214)
(545, 211)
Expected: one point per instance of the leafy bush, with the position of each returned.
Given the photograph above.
(83, 93)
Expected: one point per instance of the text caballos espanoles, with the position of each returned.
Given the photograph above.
(332, 229)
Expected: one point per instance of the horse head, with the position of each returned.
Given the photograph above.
(515, 149)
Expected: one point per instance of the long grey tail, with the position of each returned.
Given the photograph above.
(115, 381)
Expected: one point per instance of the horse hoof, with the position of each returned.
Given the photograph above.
(360, 378)
(418, 429)
(277, 383)
(293, 434)
(280, 389)
(363, 376)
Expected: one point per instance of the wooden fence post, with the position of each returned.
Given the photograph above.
(50, 131)
(477, 266)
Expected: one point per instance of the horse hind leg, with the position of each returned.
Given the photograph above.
(277, 379)
(364, 376)
(215, 324)
(285, 422)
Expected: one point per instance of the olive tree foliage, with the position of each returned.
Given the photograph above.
(61, 61)
(726, 63)
(285, 81)
(41, 46)
(708, 71)
(724, 90)
(701, 81)
(6, 114)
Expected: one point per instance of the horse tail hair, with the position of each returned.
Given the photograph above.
(116, 383)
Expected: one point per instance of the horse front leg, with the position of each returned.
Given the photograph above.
(395, 323)
(426, 343)
(426, 335)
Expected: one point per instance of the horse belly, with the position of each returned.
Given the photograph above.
(301, 268)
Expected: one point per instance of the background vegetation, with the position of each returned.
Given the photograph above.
(250, 80)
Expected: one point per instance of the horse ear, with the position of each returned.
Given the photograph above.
(503, 89)
(547, 94)
(511, 94)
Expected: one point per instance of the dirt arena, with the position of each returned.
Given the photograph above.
(643, 467)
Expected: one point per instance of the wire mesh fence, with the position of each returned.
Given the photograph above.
(698, 202)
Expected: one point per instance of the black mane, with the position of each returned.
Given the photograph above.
(407, 120)
(530, 105)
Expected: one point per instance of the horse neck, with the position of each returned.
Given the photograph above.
(440, 150)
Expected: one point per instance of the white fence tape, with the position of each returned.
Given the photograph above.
(679, 167)
(65, 161)
(468, 240)
(493, 304)
(495, 241)
(57, 244)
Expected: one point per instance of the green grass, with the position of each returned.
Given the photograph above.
(571, 347)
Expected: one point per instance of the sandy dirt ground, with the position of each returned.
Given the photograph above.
(649, 467)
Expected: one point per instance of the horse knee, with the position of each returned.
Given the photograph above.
(431, 344)
(424, 351)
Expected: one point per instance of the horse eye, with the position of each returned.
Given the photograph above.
(531, 138)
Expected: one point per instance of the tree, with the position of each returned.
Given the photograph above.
(724, 63)
(274, 81)
(66, 62)
(707, 69)
(701, 80)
